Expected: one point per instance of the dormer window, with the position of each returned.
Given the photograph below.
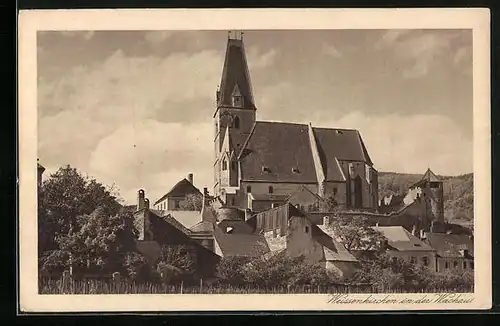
(295, 170)
(229, 229)
(237, 97)
(238, 101)
(266, 169)
(339, 132)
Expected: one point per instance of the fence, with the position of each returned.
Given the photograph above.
(117, 286)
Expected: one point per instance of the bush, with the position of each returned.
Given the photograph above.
(276, 271)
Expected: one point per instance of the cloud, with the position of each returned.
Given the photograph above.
(87, 35)
(154, 156)
(258, 59)
(331, 50)
(409, 143)
(420, 50)
(157, 37)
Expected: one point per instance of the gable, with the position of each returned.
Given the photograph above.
(181, 189)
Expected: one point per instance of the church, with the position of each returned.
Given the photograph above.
(259, 164)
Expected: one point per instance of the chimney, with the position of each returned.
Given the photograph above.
(146, 203)
(141, 203)
(414, 230)
(422, 235)
(190, 178)
(40, 170)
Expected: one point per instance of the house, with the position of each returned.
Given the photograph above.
(258, 164)
(453, 251)
(233, 236)
(402, 244)
(288, 230)
(156, 230)
(175, 198)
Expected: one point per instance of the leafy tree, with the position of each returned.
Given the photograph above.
(330, 204)
(102, 242)
(355, 232)
(230, 270)
(175, 262)
(64, 197)
(193, 202)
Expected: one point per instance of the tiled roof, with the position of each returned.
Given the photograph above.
(449, 245)
(269, 197)
(235, 72)
(187, 218)
(428, 176)
(202, 226)
(333, 250)
(402, 240)
(343, 144)
(281, 147)
(285, 149)
(249, 245)
(304, 189)
(180, 189)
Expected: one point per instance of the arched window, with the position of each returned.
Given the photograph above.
(236, 122)
(224, 165)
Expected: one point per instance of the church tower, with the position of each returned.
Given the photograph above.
(234, 117)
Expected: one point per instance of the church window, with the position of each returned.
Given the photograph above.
(271, 189)
(233, 165)
(224, 165)
(236, 122)
(249, 189)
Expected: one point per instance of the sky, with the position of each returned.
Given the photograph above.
(133, 109)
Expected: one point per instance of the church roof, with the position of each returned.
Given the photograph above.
(430, 176)
(235, 75)
(181, 189)
(284, 149)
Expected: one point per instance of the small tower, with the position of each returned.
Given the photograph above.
(433, 194)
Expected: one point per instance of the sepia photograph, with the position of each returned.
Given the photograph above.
(340, 163)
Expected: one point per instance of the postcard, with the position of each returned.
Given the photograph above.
(254, 160)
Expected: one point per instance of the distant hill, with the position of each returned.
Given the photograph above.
(458, 192)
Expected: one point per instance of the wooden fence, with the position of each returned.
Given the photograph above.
(115, 285)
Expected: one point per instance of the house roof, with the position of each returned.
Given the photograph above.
(249, 245)
(181, 189)
(235, 74)
(428, 176)
(401, 240)
(203, 226)
(332, 249)
(304, 189)
(342, 144)
(187, 219)
(285, 149)
(269, 197)
(449, 245)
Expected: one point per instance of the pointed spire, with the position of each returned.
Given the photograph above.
(235, 72)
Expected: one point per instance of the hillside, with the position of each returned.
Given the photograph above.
(458, 192)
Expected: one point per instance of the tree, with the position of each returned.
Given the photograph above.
(355, 232)
(330, 204)
(63, 197)
(101, 243)
(67, 202)
(193, 202)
